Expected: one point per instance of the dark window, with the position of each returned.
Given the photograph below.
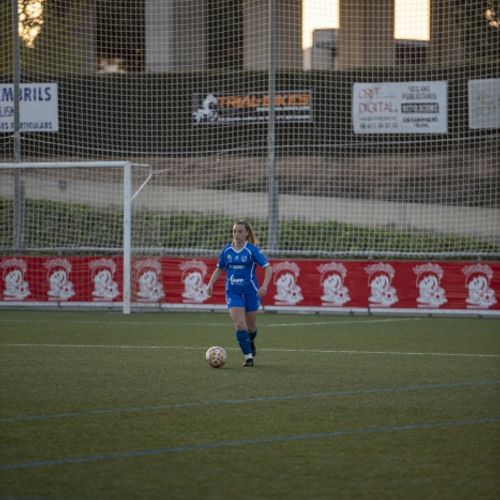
(121, 34)
(409, 53)
(225, 34)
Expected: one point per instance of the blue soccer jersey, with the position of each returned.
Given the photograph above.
(240, 267)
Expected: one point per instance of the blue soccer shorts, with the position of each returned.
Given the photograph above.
(248, 300)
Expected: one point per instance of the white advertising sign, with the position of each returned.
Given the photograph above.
(400, 108)
(38, 107)
(484, 103)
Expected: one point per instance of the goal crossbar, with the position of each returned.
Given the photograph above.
(68, 164)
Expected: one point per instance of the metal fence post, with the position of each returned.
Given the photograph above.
(19, 195)
(271, 133)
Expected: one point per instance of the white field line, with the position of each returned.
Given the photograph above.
(268, 349)
(226, 323)
(341, 322)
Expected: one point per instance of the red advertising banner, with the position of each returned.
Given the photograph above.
(328, 285)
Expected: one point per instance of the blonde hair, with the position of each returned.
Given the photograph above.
(251, 233)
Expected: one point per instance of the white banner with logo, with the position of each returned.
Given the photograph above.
(484, 103)
(400, 108)
(38, 107)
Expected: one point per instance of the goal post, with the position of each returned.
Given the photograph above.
(50, 192)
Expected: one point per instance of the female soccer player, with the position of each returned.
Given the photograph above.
(243, 294)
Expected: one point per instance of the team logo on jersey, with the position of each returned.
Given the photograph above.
(60, 286)
(105, 287)
(236, 281)
(16, 287)
(148, 279)
(335, 293)
(477, 281)
(428, 282)
(193, 274)
(380, 278)
(288, 292)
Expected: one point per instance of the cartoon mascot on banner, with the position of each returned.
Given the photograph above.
(148, 280)
(105, 288)
(288, 292)
(428, 282)
(193, 275)
(60, 286)
(380, 277)
(14, 271)
(477, 281)
(335, 293)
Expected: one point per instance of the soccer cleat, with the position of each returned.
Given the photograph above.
(252, 346)
(248, 362)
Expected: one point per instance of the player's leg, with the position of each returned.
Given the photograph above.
(251, 319)
(239, 320)
(252, 304)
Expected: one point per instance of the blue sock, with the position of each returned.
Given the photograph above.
(252, 335)
(244, 341)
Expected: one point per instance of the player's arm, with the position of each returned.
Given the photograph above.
(267, 278)
(213, 279)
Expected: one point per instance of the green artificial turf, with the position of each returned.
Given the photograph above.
(102, 405)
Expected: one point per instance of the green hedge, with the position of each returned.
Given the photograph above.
(63, 225)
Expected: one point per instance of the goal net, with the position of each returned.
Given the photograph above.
(357, 129)
(66, 210)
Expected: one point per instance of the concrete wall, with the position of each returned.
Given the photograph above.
(175, 35)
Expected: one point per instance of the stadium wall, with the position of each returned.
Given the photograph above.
(120, 115)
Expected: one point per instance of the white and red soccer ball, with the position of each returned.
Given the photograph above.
(216, 356)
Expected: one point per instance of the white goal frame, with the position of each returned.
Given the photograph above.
(128, 197)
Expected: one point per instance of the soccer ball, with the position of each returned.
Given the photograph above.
(216, 356)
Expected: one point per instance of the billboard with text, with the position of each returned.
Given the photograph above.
(38, 107)
(400, 108)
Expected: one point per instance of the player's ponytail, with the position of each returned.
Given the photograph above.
(251, 233)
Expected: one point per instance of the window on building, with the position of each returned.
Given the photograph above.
(410, 52)
(318, 15)
(412, 20)
(224, 34)
(320, 22)
(412, 25)
(120, 39)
